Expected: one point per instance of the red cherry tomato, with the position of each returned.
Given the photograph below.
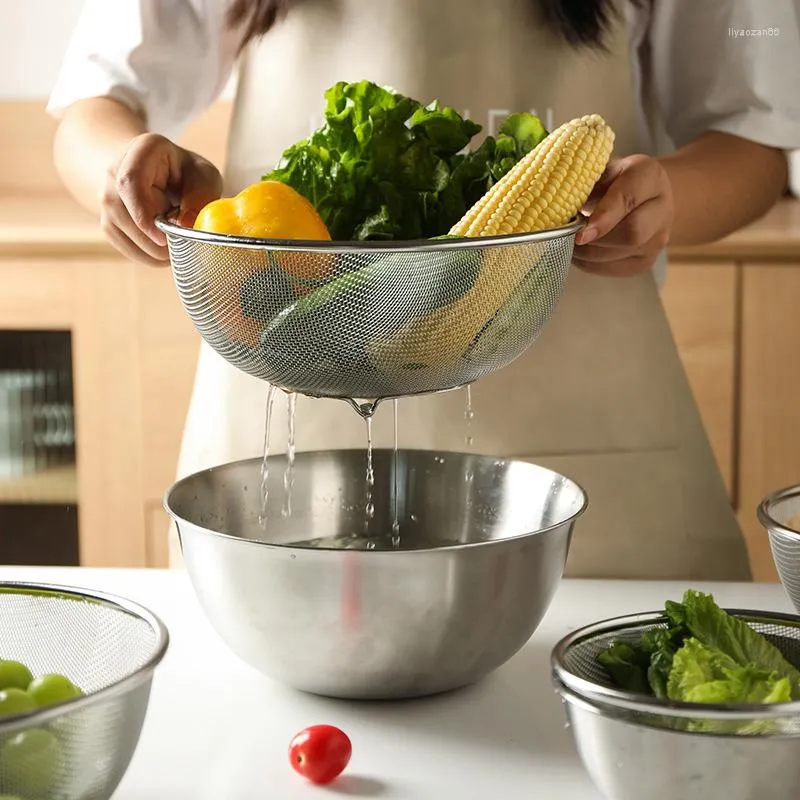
(320, 752)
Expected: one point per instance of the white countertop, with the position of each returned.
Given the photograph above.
(218, 730)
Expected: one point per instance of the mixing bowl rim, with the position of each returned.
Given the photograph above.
(604, 710)
(764, 511)
(582, 498)
(116, 602)
(376, 246)
(668, 708)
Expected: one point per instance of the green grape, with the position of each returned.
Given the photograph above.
(14, 675)
(15, 701)
(50, 690)
(31, 761)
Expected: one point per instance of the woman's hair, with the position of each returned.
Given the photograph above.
(578, 22)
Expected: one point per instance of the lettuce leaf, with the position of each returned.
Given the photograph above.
(383, 166)
(661, 644)
(704, 655)
(732, 637)
(643, 667)
(627, 665)
(701, 674)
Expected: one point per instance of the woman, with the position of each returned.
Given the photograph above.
(702, 117)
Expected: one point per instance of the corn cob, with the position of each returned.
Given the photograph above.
(547, 187)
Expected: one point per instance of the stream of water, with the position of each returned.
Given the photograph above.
(288, 474)
(264, 488)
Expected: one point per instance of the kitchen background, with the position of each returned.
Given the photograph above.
(97, 358)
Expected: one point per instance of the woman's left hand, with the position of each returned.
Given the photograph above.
(631, 218)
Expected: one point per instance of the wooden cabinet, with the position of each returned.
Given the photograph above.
(134, 351)
(731, 306)
(701, 305)
(769, 429)
(134, 354)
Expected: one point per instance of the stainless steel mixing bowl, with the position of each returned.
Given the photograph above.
(110, 648)
(322, 601)
(635, 747)
(779, 513)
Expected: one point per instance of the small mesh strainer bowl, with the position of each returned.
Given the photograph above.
(779, 513)
(369, 320)
(109, 647)
(635, 746)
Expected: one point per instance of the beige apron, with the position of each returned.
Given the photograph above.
(601, 397)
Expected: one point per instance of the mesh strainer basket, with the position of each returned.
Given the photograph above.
(369, 320)
(779, 513)
(575, 667)
(109, 647)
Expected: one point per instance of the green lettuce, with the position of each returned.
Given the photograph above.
(733, 637)
(382, 166)
(627, 665)
(704, 655)
(701, 674)
(643, 667)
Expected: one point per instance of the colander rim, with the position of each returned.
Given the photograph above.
(601, 708)
(630, 701)
(764, 511)
(394, 246)
(582, 497)
(123, 685)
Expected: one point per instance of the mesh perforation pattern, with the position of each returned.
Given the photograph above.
(366, 319)
(106, 646)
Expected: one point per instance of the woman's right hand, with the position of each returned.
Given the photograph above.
(154, 176)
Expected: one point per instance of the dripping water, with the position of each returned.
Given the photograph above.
(288, 474)
(395, 523)
(369, 508)
(264, 490)
(469, 415)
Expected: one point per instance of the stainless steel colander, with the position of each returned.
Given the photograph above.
(369, 320)
(779, 513)
(635, 746)
(109, 647)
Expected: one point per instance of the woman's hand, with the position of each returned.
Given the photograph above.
(153, 176)
(631, 218)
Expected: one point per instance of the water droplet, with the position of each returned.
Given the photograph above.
(566, 726)
(469, 441)
(620, 765)
(413, 517)
(370, 545)
(292, 555)
(370, 510)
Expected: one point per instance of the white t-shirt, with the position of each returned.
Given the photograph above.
(173, 59)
